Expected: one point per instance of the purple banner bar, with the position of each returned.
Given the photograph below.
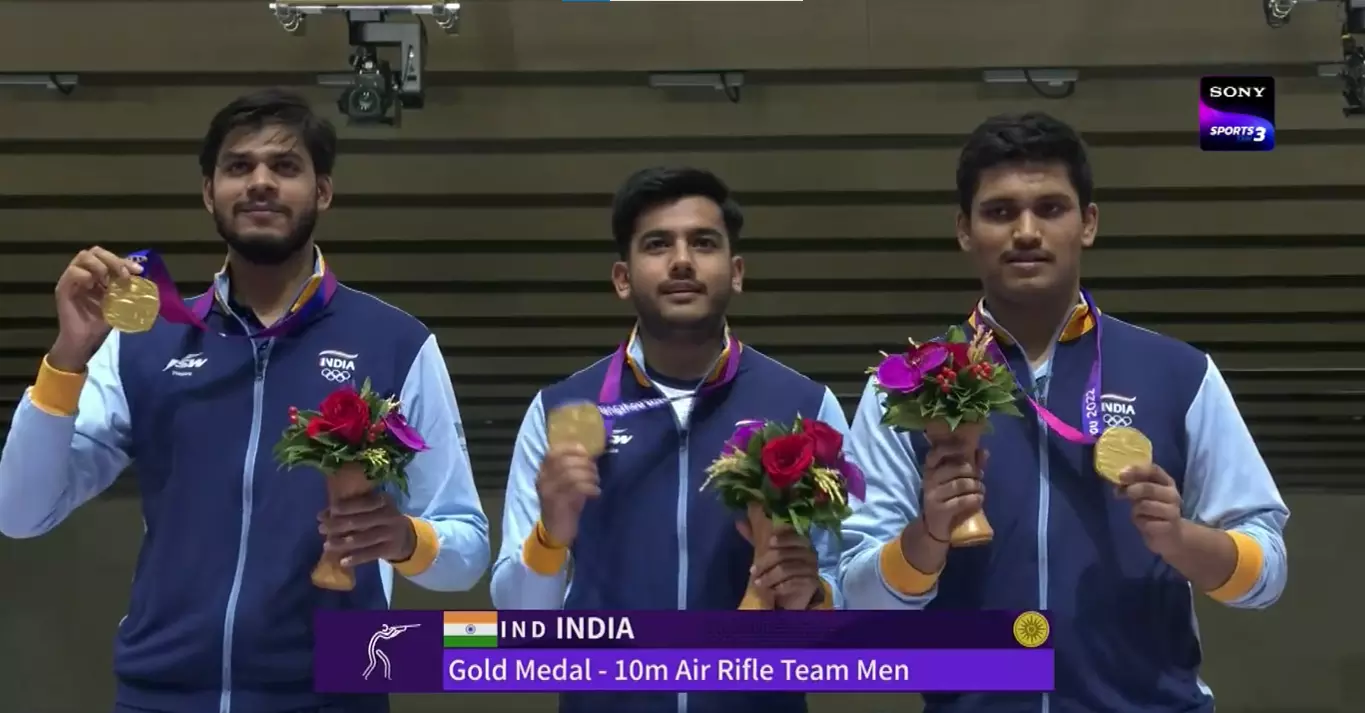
(750, 629)
(799, 670)
(392, 651)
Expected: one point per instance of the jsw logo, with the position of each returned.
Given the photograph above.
(621, 439)
(189, 361)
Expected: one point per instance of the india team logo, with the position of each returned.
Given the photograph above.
(1118, 410)
(336, 366)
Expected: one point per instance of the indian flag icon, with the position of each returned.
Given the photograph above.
(471, 629)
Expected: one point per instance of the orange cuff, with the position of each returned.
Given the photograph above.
(827, 602)
(541, 554)
(424, 554)
(56, 392)
(1250, 561)
(901, 575)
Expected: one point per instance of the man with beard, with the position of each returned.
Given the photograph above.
(633, 529)
(221, 611)
(1116, 563)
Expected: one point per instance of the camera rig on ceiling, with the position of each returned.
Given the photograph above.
(1351, 71)
(375, 93)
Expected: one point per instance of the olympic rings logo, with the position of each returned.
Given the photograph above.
(337, 376)
(1114, 420)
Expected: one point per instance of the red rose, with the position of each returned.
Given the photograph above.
(959, 354)
(344, 415)
(787, 458)
(829, 443)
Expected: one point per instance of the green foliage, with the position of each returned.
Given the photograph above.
(383, 456)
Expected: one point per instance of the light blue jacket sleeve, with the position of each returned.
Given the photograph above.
(515, 584)
(893, 495)
(441, 490)
(1228, 486)
(827, 546)
(51, 464)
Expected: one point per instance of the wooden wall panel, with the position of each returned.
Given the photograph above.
(495, 35)
(1105, 34)
(428, 173)
(550, 35)
(1258, 219)
(770, 107)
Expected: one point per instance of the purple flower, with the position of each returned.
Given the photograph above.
(906, 372)
(403, 433)
(853, 479)
(745, 431)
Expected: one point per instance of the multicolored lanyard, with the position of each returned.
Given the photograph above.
(1091, 422)
(174, 310)
(609, 397)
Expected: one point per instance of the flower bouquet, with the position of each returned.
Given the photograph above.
(360, 442)
(948, 390)
(785, 475)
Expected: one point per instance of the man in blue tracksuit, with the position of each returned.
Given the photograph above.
(633, 530)
(221, 614)
(1117, 565)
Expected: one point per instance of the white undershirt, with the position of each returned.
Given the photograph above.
(682, 406)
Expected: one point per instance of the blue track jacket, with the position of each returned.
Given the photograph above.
(654, 539)
(221, 614)
(1124, 629)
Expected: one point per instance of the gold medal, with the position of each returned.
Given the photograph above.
(1119, 449)
(578, 423)
(131, 304)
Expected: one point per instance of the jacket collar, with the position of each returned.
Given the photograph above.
(1080, 321)
(635, 358)
(222, 291)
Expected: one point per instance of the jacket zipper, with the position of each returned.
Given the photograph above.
(261, 355)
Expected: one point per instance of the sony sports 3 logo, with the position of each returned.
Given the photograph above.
(1237, 113)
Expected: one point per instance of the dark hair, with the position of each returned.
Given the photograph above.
(653, 187)
(1031, 137)
(272, 107)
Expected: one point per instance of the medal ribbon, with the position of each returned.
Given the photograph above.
(609, 397)
(1091, 423)
(174, 310)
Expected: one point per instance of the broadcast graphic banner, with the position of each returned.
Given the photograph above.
(425, 651)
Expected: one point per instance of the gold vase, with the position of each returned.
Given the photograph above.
(760, 533)
(347, 482)
(973, 529)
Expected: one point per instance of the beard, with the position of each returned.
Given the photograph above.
(267, 250)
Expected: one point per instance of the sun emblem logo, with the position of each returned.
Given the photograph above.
(1031, 629)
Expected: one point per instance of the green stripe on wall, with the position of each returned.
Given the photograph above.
(471, 642)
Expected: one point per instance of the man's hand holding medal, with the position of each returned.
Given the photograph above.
(577, 436)
(98, 290)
